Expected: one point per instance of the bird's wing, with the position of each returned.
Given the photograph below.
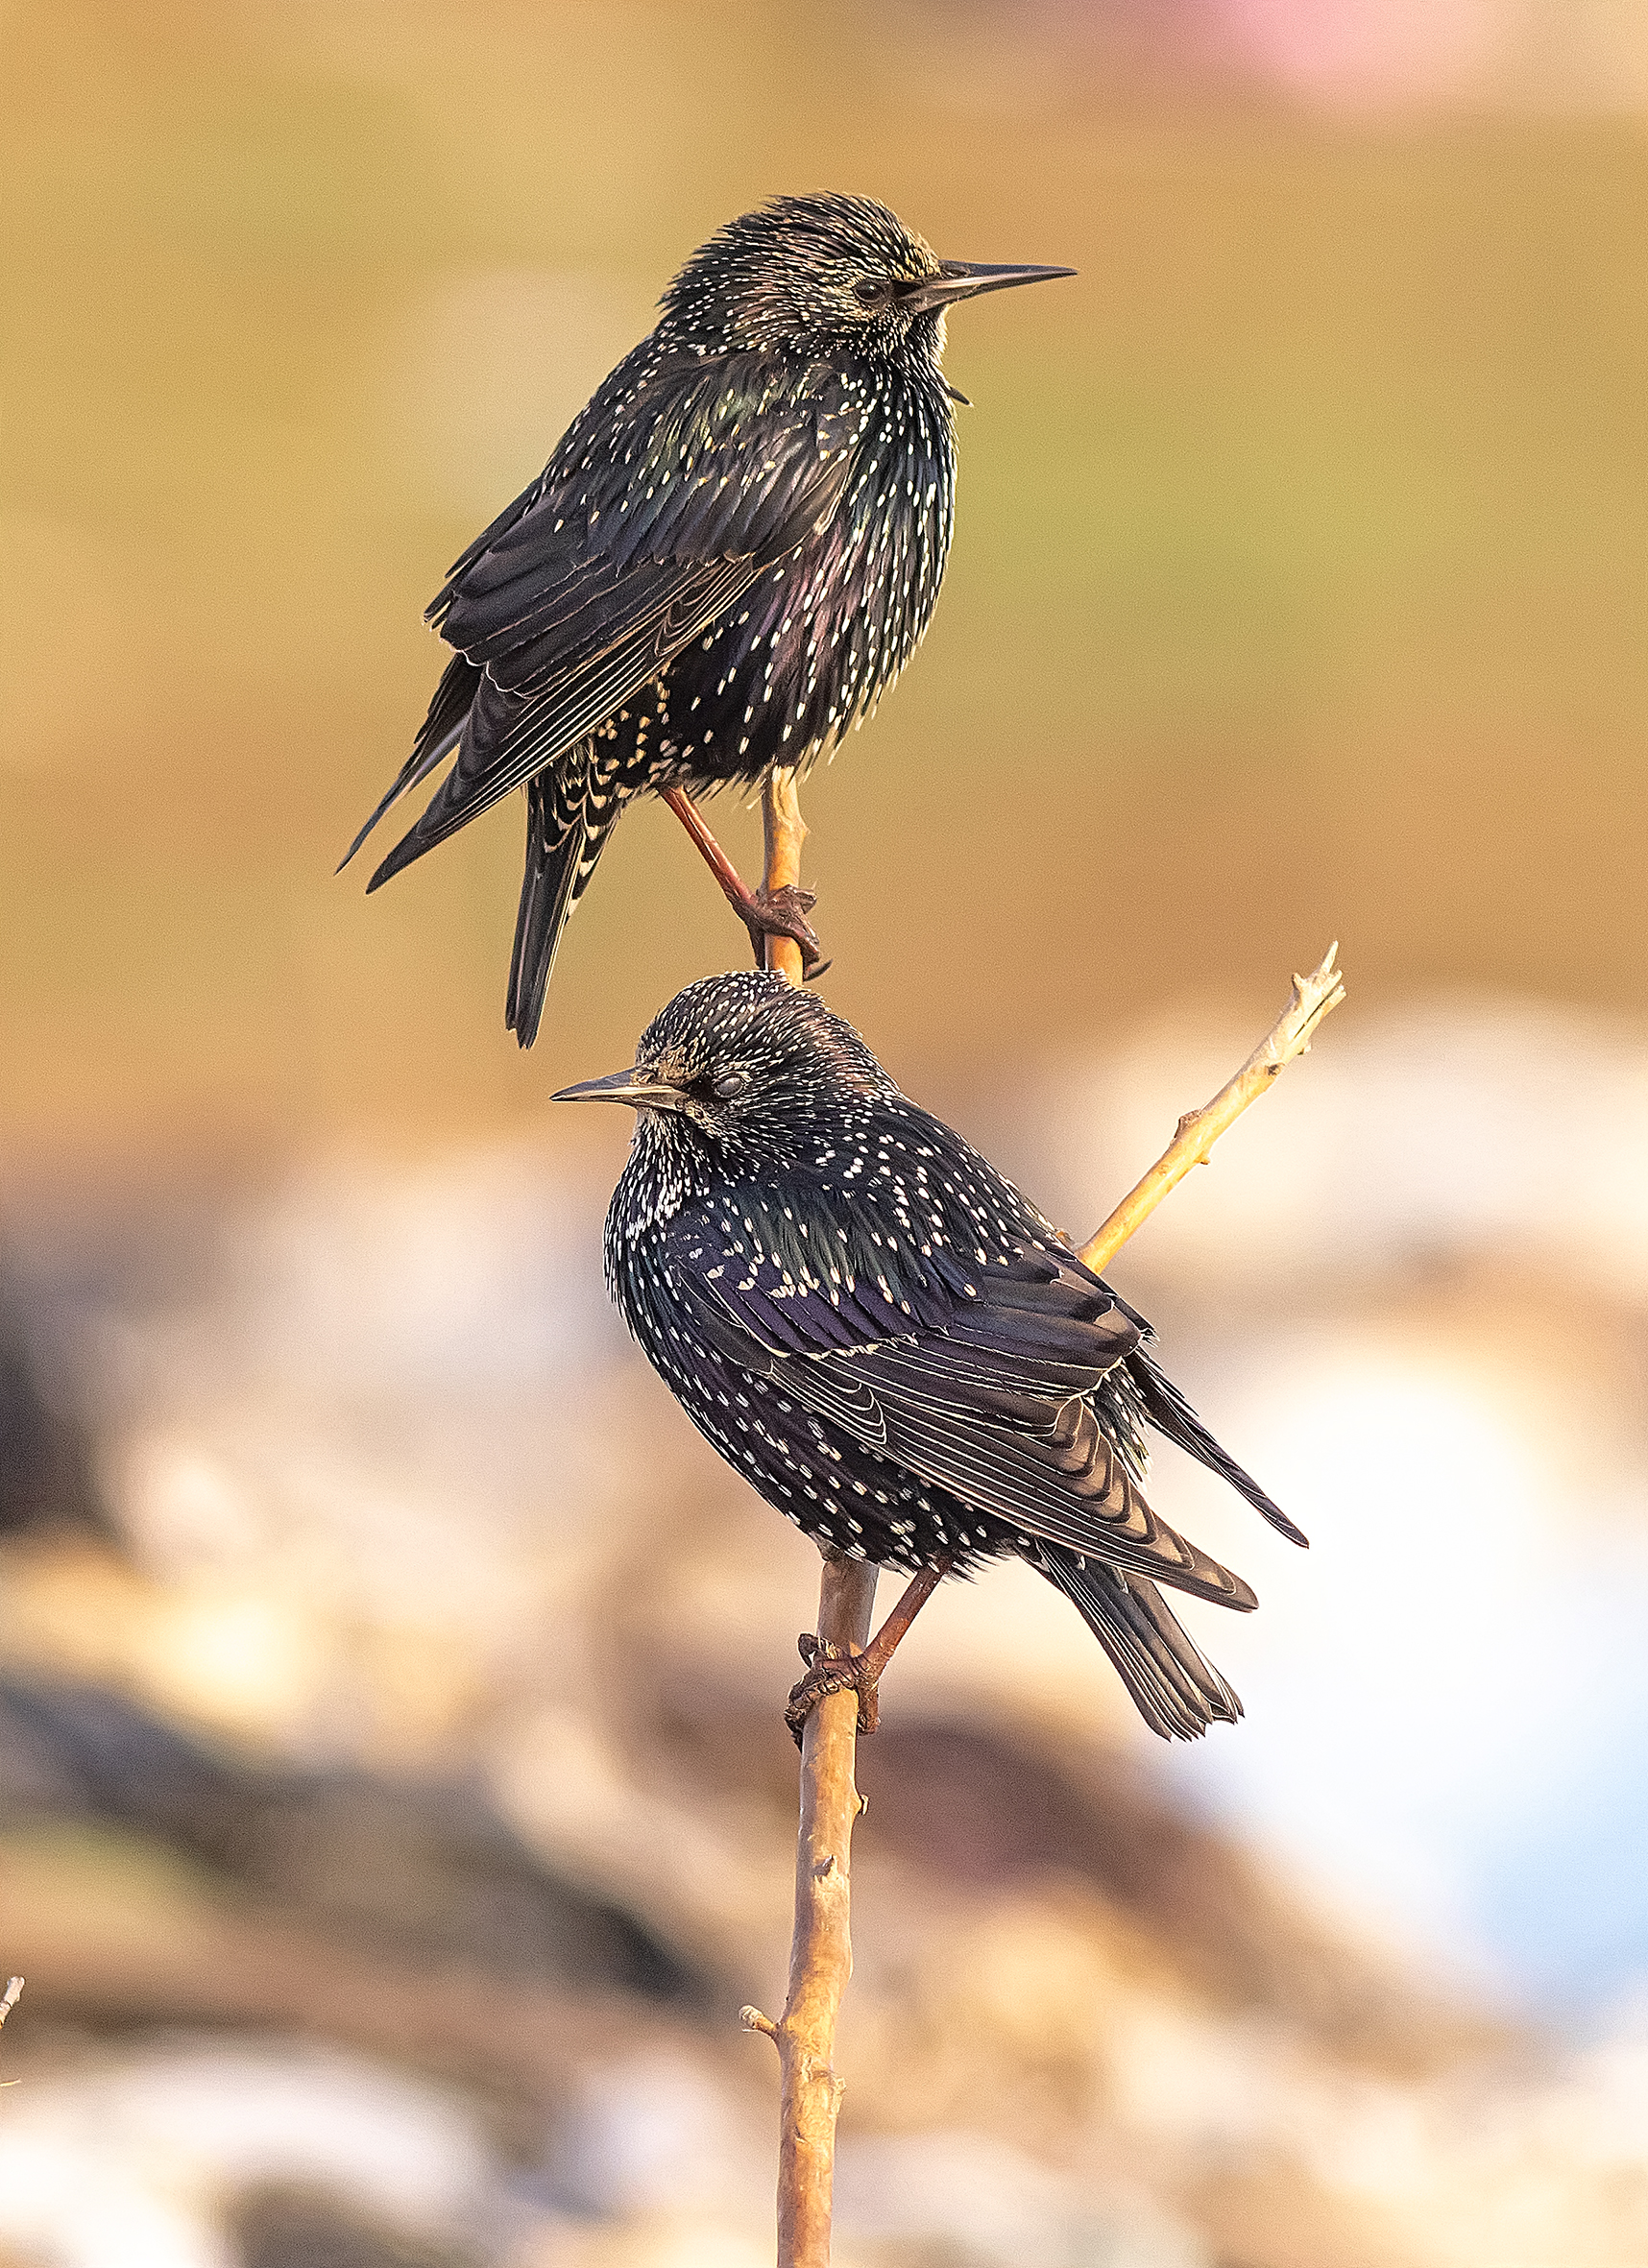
(975, 1377)
(632, 544)
(711, 458)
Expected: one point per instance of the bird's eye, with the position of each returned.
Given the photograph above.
(728, 1084)
(868, 291)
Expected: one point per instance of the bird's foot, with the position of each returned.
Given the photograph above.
(765, 913)
(783, 913)
(829, 1673)
(833, 1673)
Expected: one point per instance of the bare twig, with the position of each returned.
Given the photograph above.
(8, 2000)
(1313, 997)
(821, 1948)
(785, 832)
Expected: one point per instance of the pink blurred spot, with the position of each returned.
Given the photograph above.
(1372, 52)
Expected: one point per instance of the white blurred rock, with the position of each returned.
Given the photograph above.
(971, 2198)
(135, 2164)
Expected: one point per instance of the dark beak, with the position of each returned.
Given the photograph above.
(965, 280)
(640, 1089)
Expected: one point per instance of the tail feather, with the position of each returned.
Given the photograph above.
(1176, 1692)
(442, 731)
(1176, 1421)
(561, 854)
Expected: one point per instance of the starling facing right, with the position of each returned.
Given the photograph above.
(889, 1342)
(731, 555)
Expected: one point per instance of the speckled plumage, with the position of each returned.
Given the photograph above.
(888, 1342)
(731, 553)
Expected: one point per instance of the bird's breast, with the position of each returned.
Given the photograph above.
(808, 649)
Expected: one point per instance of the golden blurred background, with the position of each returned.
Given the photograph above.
(384, 1859)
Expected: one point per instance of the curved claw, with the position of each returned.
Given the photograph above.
(783, 913)
(832, 1673)
(835, 1673)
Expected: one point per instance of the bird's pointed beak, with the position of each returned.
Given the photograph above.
(642, 1090)
(968, 279)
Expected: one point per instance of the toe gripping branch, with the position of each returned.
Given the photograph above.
(858, 1672)
(765, 913)
(783, 913)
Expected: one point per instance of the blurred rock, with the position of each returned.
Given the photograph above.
(304, 2229)
(134, 2162)
(967, 2197)
(46, 1481)
(428, 1870)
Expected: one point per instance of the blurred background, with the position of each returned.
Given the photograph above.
(393, 1803)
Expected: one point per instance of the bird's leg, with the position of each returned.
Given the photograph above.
(765, 913)
(831, 1673)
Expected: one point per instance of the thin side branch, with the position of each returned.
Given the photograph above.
(1313, 998)
(9, 1998)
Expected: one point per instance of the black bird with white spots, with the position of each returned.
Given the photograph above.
(887, 1341)
(732, 552)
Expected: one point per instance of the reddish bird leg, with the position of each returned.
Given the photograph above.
(765, 913)
(830, 1673)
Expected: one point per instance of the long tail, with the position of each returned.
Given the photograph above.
(562, 849)
(1176, 1692)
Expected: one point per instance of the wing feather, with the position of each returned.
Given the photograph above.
(989, 1403)
(591, 582)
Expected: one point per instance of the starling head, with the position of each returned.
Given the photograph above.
(821, 272)
(744, 1070)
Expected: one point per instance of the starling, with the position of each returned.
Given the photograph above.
(732, 552)
(888, 1342)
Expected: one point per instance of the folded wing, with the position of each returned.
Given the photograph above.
(579, 596)
(980, 1383)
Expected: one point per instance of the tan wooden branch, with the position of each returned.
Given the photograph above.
(821, 1948)
(1313, 998)
(785, 831)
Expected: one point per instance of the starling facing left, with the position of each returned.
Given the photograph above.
(731, 553)
(888, 1342)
